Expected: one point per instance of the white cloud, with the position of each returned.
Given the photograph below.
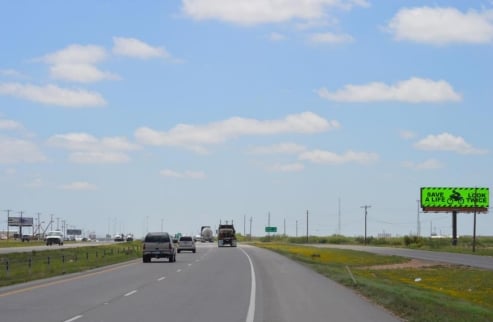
(291, 167)
(35, 183)
(132, 47)
(282, 148)
(11, 73)
(275, 36)
(10, 125)
(183, 175)
(407, 135)
(19, 151)
(86, 148)
(76, 54)
(447, 142)
(430, 164)
(442, 26)
(330, 38)
(327, 157)
(77, 63)
(83, 73)
(99, 157)
(53, 95)
(414, 90)
(79, 185)
(252, 12)
(195, 137)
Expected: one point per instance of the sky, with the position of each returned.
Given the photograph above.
(128, 117)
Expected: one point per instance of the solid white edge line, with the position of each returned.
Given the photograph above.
(131, 292)
(74, 318)
(161, 278)
(251, 306)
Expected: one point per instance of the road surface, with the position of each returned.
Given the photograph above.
(214, 284)
(485, 262)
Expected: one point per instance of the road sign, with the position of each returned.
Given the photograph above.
(270, 229)
(454, 197)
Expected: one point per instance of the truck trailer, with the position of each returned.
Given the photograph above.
(226, 235)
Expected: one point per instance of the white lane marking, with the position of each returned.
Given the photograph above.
(251, 306)
(161, 278)
(131, 293)
(74, 318)
(189, 265)
(178, 270)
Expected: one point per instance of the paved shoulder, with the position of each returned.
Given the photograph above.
(288, 291)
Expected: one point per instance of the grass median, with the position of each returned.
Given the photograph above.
(413, 290)
(23, 267)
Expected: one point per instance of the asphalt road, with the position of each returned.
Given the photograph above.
(485, 262)
(214, 284)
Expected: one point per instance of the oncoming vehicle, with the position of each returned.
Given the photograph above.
(186, 243)
(158, 245)
(54, 237)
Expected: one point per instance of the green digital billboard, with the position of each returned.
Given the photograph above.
(455, 197)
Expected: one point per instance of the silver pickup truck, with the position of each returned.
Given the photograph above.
(158, 245)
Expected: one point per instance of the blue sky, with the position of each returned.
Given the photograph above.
(117, 116)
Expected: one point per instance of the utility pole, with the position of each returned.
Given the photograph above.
(307, 226)
(296, 228)
(251, 219)
(20, 225)
(39, 224)
(366, 216)
(244, 225)
(284, 227)
(8, 219)
(339, 217)
(418, 227)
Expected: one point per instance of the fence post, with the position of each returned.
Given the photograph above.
(7, 268)
(30, 262)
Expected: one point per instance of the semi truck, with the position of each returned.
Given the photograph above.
(226, 235)
(206, 234)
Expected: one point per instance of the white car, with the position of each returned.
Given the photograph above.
(54, 237)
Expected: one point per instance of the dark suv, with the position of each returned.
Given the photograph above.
(158, 245)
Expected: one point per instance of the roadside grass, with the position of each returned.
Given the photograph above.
(18, 243)
(23, 267)
(433, 293)
(483, 244)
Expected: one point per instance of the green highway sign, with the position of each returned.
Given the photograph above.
(454, 197)
(270, 229)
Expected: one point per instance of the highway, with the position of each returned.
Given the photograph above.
(214, 284)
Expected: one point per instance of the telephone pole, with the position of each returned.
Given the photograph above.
(366, 216)
(307, 226)
(8, 222)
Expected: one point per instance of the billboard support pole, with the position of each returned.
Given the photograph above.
(454, 228)
(474, 228)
